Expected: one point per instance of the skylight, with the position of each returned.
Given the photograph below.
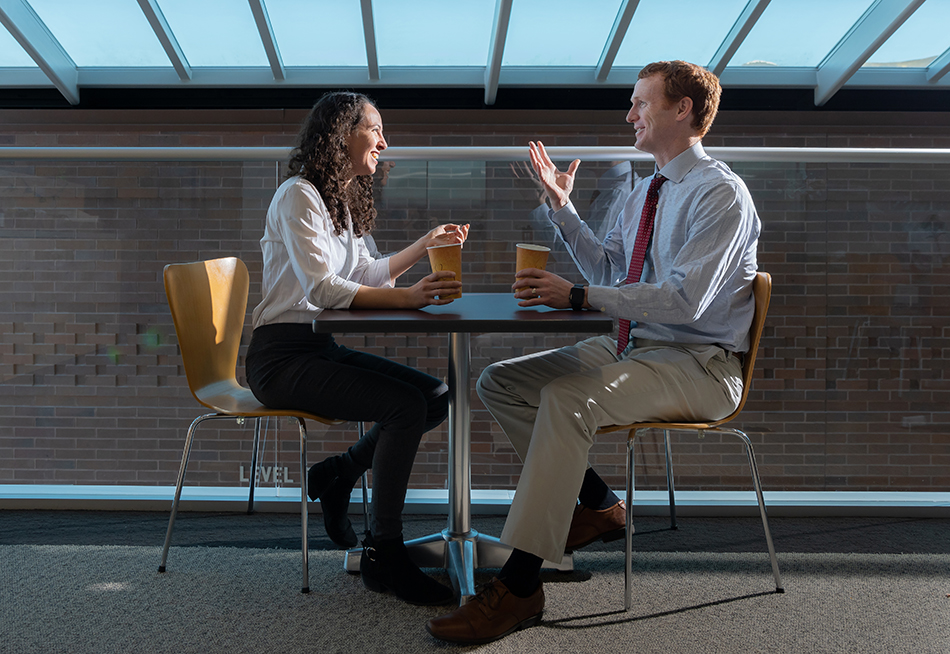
(102, 33)
(659, 34)
(215, 32)
(798, 32)
(491, 44)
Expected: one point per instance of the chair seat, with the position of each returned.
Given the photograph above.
(672, 426)
(233, 399)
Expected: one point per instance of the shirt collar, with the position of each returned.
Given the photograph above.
(676, 169)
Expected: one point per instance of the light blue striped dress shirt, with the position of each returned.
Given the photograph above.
(696, 285)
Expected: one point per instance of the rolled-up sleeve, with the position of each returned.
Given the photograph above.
(306, 231)
(370, 271)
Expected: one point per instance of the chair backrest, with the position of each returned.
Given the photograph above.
(208, 300)
(762, 292)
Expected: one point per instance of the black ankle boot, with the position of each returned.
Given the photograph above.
(320, 476)
(386, 566)
(335, 502)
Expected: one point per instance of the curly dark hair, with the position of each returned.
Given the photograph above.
(321, 157)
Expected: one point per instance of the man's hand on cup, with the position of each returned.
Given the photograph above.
(535, 287)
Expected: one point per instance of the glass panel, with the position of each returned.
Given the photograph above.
(102, 33)
(456, 183)
(540, 35)
(920, 40)
(215, 32)
(852, 391)
(318, 32)
(433, 32)
(798, 32)
(11, 54)
(658, 34)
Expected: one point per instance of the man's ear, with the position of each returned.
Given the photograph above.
(684, 108)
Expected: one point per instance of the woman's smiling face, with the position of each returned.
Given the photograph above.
(365, 142)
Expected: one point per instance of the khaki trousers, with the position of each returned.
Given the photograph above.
(551, 404)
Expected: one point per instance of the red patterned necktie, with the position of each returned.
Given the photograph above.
(640, 247)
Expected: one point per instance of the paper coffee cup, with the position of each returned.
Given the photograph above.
(531, 256)
(447, 257)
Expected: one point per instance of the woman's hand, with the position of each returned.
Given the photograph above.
(424, 292)
(441, 235)
(446, 235)
(536, 287)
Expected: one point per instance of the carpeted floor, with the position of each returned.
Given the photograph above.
(88, 582)
(282, 531)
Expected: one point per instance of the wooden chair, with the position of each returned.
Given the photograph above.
(208, 300)
(762, 290)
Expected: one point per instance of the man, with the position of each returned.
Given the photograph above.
(692, 305)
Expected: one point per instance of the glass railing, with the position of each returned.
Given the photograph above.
(852, 388)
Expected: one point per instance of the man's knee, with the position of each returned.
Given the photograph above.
(562, 389)
(487, 383)
(566, 403)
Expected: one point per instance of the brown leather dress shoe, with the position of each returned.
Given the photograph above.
(492, 614)
(589, 525)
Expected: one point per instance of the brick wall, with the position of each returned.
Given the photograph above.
(851, 385)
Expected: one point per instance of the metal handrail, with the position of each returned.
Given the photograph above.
(561, 153)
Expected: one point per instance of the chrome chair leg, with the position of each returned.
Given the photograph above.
(779, 586)
(628, 537)
(253, 475)
(756, 482)
(303, 506)
(185, 455)
(669, 478)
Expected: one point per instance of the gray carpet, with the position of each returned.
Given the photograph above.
(73, 581)
(98, 598)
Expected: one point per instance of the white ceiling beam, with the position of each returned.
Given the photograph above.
(34, 37)
(472, 77)
(740, 29)
(496, 50)
(166, 37)
(615, 39)
(939, 67)
(877, 24)
(266, 31)
(369, 35)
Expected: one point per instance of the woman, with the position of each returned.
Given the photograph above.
(315, 259)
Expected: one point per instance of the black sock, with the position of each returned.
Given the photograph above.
(595, 494)
(522, 573)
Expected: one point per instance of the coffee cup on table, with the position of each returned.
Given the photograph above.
(530, 256)
(447, 257)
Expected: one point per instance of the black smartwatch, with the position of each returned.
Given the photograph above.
(576, 297)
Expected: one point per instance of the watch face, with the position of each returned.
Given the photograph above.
(576, 297)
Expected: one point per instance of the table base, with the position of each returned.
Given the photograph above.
(460, 555)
